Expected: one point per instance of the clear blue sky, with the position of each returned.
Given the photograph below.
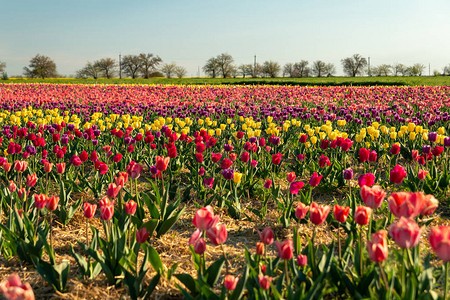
(73, 32)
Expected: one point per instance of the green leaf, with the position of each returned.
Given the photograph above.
(239, 290)
(155, 260)
(213, 272)
(188, 282)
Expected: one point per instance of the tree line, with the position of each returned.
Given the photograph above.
(148, 65)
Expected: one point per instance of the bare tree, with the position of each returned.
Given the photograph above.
(446, 70)
(211, 67)
(319, 68)
(245, 69)
(168, 69)
(330, 69)
(131, 64)
(354, 65)
(107, 66)
(149, 62)
(288, 70)
(382, 70)
(398, 69)
(41, 66)
(301, 69)
(90, 70)
(418, 69)
(225, 64)
(180, 72)
(271, 68)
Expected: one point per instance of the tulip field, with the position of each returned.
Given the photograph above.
(224, 192)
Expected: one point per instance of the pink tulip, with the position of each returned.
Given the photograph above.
(285, 249)
(204, 218)
(230, 282)
(12, 288)
(217, 234)
(302, 260)
(266, 236)
(440, 242)
(142, 235)
(264, 281)
(372, 196)
(130, 207)
(318, 213)
(404, 204)
(406, 233)
(429, 205)
(315, 179)
(362, 215)
(377, 247)
(301, 211)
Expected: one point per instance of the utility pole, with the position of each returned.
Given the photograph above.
(369, 69)
(254, 66)
(120, 66)
(198, 71)
(429, 69)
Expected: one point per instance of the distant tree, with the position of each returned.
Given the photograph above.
(446, 70)
(330, 69)
(2, 67)
(149, 62)
(398, 69)
(131, 65)
(382, 70)
(90, 70)
(180, 72)
(245, 69)
(319, 68)
(437, 73)
(354, 65)
(288, 70)
(256, 70)
(211, 67)
(41, 67)
(271, 68)
(225, 64)
(417, 69)
(169, 69)
(408, 71)
(301, 69)
(107, 67)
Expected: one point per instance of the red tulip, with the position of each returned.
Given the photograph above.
(440, 242)
(377, 247)
(134, 170)
(264, 281)
(318, 213)
(13, 288)
(20, 165)
(364, 154)
(245, 156)
(89, 210)
(408, 205)
(215, 157)
(362, 215)
(230, 282)
(40, 200)
(61, 168)
(232, 156)
(217, 234)
(397, 174)
(76, 161)
(422, 174)
(142, 235)
(395, 149)
(113, 190)
(260, 248)
(315, 179)
(31, 180)
(301, 211)
(48, 166)
(84, 156)
(130, 207)
(406, 233)
(276, 158)
(295, 187)
(6, 166)
(107, 211)
(429, 205)
(372, 196)
(161, 163)
(200, 246)
(266, 236)
(52, 203)
(302, 260)
(268, 184)
(373, 156)
(366, 179)
(121, 178)
(204, 218)
(199, 157)
(93, 156)
(12, 187)
(437, 150)
(291, 176)
(285, 249)
(226, 164)
(341, 213)
(324, 160)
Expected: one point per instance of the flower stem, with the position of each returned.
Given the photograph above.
(360, 252)
(446, 280)
(383, 276)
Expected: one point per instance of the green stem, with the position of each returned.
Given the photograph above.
(286, 274)
(360, 252)
(446, 280)
(383, 276)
